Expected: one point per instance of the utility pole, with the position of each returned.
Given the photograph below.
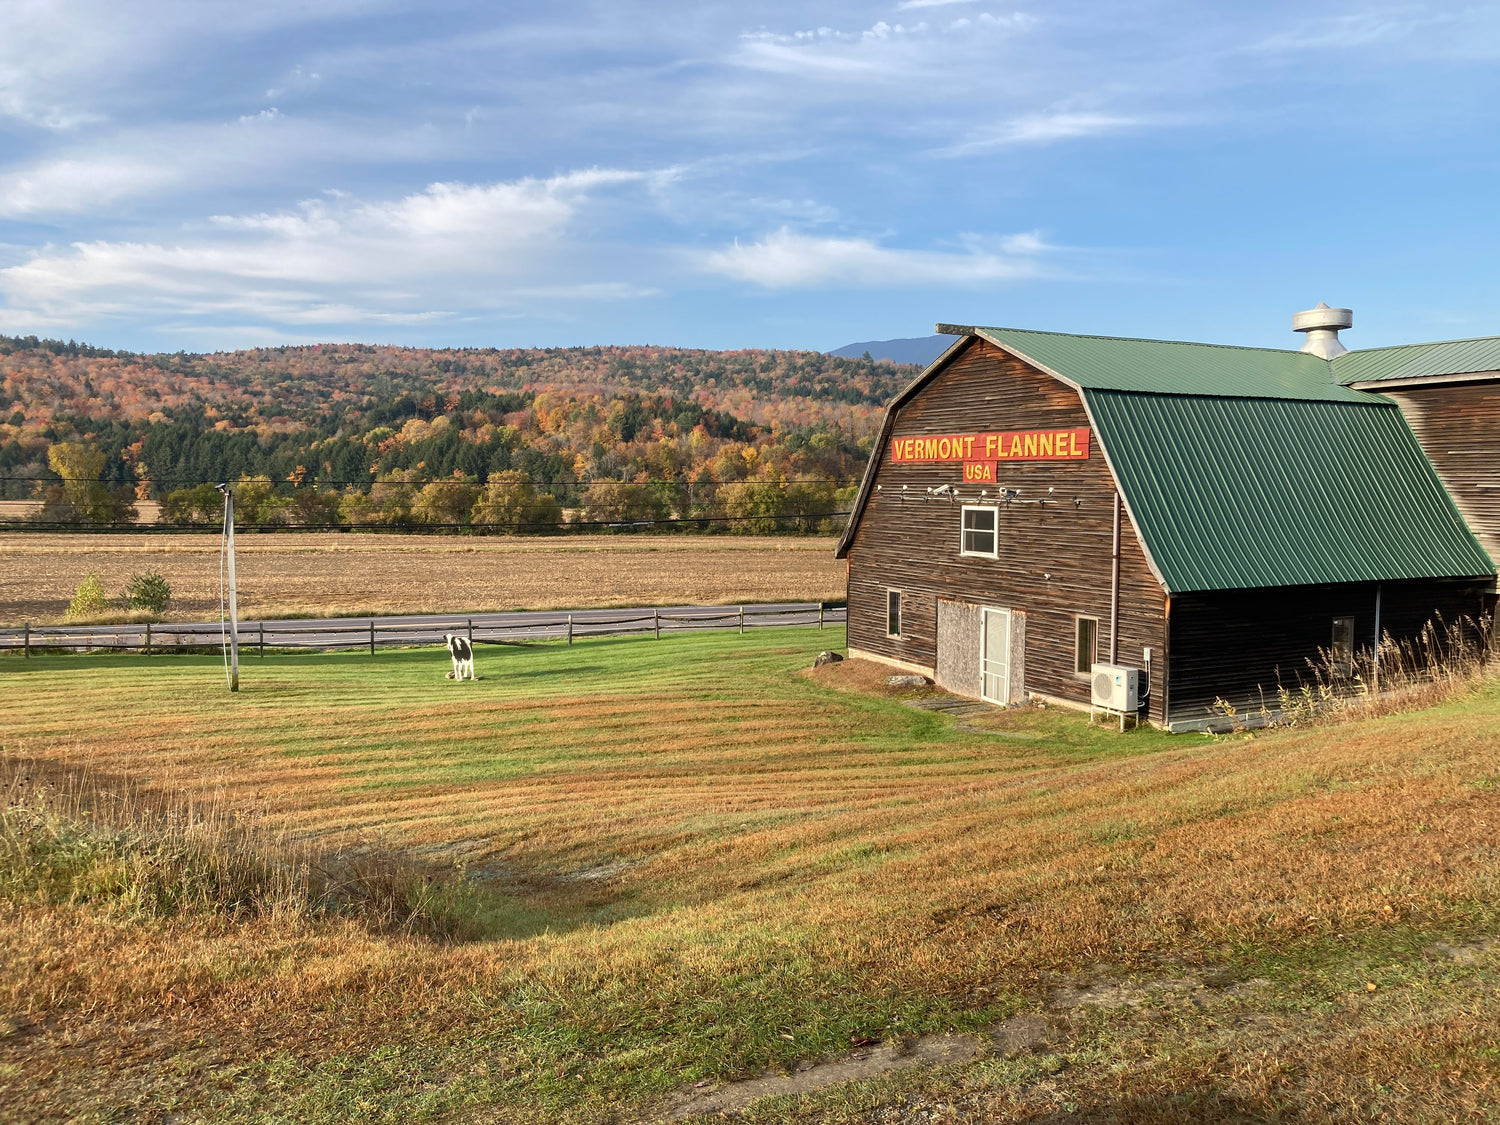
(227, 555)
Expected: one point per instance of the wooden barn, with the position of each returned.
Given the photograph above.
(1215, 517)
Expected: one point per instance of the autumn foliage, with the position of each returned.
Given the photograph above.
(487, 439)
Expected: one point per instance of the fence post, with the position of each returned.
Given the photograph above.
(570, 628)
(27, 642)
(742, 619)
(262, 639)
(656, 622)
(820, 615)
(148, 638)
(471, 634)
(372, 636)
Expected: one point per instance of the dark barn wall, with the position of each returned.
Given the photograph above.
(1242, 644)
(1458, 425)
(914, 545)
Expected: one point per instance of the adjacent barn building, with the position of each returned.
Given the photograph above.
(1038, 503)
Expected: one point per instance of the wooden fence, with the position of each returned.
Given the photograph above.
(372, 633)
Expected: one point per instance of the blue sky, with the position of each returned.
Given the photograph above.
(206, 175)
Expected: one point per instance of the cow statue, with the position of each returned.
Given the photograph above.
(463, 657)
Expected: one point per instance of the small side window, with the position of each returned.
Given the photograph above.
(1341, 648)
(978, 532)
(1086, 645)
(893, 613)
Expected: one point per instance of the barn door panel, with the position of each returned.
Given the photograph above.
(995, 657)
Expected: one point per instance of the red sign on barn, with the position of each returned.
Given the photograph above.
(1012, 445)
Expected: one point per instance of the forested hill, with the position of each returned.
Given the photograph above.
(343, 416)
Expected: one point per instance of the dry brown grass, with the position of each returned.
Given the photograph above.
(733, 878)
(353, 574)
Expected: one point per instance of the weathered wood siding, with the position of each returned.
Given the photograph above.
(1458, 425)
(1054, 559)
(1241, 645)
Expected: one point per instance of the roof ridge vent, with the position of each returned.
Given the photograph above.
(1322, 326)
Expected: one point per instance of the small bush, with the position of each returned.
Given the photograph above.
(148, 591)
(88, 599)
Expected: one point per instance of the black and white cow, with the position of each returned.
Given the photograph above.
(463, 657)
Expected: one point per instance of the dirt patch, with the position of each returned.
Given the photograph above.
(1027, 1031)
(868, 677)
(870, 1062)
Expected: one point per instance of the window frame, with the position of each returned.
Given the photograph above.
(1078, 620)
(893, 594)
(994, 532)
(1342, 667)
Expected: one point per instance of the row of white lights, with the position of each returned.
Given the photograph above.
(1002, 495)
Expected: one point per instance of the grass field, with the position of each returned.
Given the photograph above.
(690, 860)
(334, 574)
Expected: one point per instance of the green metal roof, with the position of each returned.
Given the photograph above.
(1419, 361)
(1174, 367)
(1233, 493)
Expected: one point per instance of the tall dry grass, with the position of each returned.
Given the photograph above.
(1446, 659)
(70, 834)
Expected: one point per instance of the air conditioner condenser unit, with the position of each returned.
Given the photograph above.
(1116, 688)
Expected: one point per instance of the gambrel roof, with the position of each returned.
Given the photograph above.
(1244, 467)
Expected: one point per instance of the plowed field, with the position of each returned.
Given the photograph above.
(346, 574)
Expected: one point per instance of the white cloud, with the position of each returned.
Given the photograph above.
(69, 63)
(71, 184)
(1045, 128)
(337, 260)
(882, 49)
(788, 259)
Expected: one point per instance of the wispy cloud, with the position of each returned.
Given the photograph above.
(337, 260)
(1044, 128)
(787, 259)
(72, 185)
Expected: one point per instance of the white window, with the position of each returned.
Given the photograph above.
(979, 536)
(1341, 651)
(893, 613)
(1086, 645)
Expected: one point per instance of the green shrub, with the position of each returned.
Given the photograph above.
(88, 599)
(201, 504)
(148, 591)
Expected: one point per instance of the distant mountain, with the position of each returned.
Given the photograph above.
(921, 350)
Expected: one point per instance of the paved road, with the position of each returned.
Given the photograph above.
(355, 632)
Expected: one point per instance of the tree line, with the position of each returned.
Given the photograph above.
(483, 461)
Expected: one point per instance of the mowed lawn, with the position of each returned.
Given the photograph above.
(698, 860)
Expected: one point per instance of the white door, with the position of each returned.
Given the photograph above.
(994, 660)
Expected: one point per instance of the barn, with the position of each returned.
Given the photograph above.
(1214, 517)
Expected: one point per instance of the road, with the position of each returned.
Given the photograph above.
(358, 632)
